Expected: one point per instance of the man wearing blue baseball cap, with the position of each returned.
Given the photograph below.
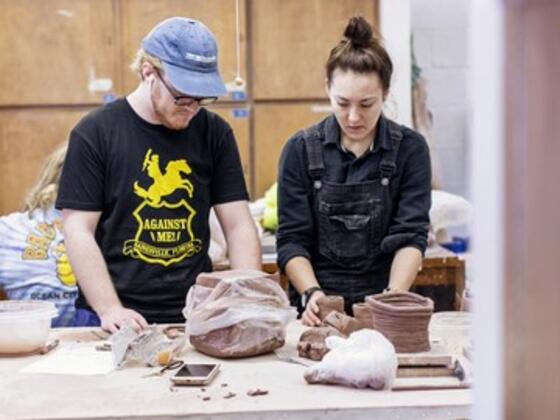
(140, 177)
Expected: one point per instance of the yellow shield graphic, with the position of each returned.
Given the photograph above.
(163, 237)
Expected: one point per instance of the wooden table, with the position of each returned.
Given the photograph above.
(127, 394)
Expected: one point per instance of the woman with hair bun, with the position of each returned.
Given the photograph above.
(354, 189)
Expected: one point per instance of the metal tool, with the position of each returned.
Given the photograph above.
(173, 365)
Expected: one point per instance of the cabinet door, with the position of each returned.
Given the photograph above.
(274, 125)
(238, 118)
(292, 40)
(52, 51)
(140, 16)
(27, 138)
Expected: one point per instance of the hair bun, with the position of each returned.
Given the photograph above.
(359, 32)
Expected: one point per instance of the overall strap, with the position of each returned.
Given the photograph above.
(388, 165)
(316, 168)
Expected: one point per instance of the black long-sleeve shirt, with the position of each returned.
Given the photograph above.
(410, 190)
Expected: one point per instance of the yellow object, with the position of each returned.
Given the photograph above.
(270, 217)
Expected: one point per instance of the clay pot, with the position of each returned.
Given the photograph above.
(403, 318)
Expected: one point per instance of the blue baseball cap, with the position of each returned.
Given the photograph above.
(189, 55)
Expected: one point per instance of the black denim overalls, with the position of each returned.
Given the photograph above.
(352, 219)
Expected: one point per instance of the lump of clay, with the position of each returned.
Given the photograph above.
(365, 359)
(342, 322)
(327, 304)
(237, 313)
(311, 343)
(364, 314)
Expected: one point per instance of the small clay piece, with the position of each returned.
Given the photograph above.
(229, 395)
(256, 392)
(342, 322)
(327, 304)
(403, 317)
(311, 343)
(206, 398)
(224, 385)
(364, 314)
(202, 389)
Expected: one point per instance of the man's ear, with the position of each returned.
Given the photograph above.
(146, 70)
(327, 87)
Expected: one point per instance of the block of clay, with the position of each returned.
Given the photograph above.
(327, 304)
(345, 324)
(364, 314)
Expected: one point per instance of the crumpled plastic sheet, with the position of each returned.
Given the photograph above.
(237, 313)
(364, 359)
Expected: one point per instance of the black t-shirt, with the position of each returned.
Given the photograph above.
(155, 187)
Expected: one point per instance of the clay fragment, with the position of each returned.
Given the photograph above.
(229, 395)
(256, 392)
(206, 398)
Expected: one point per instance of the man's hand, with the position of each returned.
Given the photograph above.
(114, 318)
(309, 316)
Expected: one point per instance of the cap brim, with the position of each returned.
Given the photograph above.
(195, 83)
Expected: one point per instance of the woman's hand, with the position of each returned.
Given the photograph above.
(309, 316)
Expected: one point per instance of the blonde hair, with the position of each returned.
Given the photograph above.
(43, 194)
(141, 57)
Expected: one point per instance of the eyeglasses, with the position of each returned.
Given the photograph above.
(184, 100)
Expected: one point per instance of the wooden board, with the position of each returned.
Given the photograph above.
(292, 40)
(140, 16)
(437, 356)
(51, 49)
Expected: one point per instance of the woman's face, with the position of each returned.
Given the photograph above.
(357, 100)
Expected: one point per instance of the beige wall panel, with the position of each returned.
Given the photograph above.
(139, 16)
(532, 205)
(27, 137)
(274, 125)
(238, 117)
(51, 48)
(292, 40)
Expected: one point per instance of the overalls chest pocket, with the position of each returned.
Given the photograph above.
(349, 230)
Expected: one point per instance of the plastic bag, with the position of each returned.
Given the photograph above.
(237, 313)
(448, 210)
(365, 359)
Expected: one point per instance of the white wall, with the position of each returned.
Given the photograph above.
(395, 28)
(440, 30)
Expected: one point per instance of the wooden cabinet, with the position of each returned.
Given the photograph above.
(53, 49)
(274, 125)
(27, 138)
(291, 41)
(238, 117)
(139, 16)
(59, 55)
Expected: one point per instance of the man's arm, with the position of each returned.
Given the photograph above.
(91, 271)
(244, 248)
